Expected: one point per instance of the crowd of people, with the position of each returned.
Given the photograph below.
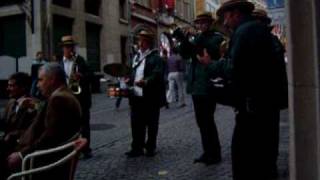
(233, 60)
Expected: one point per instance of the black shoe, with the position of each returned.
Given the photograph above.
(134, 153)
(151, 153)
(207, 160)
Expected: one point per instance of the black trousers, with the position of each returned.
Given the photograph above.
(85, 128)
(255, 144)
(204, 107)
(144, 121)
(6, 148)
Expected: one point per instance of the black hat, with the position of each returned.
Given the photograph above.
(245, 5)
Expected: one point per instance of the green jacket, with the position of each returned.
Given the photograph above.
(197, 76)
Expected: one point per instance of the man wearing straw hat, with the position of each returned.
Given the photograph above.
(254, 77)
(262, 16)
(198, 84)
(78, 73)
(147, 96)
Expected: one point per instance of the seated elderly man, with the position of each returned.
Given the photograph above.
(57, 121)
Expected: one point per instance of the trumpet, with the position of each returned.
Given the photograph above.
(180, 33)
(74, 82)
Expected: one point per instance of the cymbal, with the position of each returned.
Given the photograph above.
(116, 69)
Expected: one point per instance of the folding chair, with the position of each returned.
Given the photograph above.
(76, 145)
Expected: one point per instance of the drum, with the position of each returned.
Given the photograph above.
(115, 91)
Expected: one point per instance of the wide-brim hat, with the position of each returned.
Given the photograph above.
(145, 34)
(244, 5)
(68, 41)
(262, 14)
(204, 16)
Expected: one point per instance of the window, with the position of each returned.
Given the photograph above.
(93, 7)
(93, 46)
(123, 9)
(63, 3)
(13, 36)
(61, 26)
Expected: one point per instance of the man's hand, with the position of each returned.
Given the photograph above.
(29, 103)
(140, 83)
(205, 59)
(126, 80)
(14, 161)
(76, 76)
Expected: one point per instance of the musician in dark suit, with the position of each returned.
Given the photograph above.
(148, 95)
(78, 76)
(57, 121)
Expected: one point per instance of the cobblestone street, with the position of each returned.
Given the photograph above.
(178, 144)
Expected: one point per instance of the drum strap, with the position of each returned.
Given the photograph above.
(138, 60)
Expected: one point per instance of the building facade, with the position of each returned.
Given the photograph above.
(101, 28)
(207, 5)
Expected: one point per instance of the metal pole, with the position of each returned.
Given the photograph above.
(130, 41)
(49, 32)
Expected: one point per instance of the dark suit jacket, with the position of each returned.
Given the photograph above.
(85, 82)
(258, 71)
(57, 121)
(154, 90)
(15, 123)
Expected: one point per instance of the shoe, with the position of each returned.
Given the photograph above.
(134, 153)
(182, 105)
(151, 153)
(207, 160)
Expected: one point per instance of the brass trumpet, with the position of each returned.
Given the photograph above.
(74, 83)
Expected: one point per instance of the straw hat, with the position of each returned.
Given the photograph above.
(145, 34)
(244, 5)
(67, 41)
(204, 16)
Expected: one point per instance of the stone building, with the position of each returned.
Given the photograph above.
(100, 27)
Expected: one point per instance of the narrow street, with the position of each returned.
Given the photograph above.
(178, 144)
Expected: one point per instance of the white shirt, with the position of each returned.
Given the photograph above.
(19, 102)
(138, 91)
(67, 63)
